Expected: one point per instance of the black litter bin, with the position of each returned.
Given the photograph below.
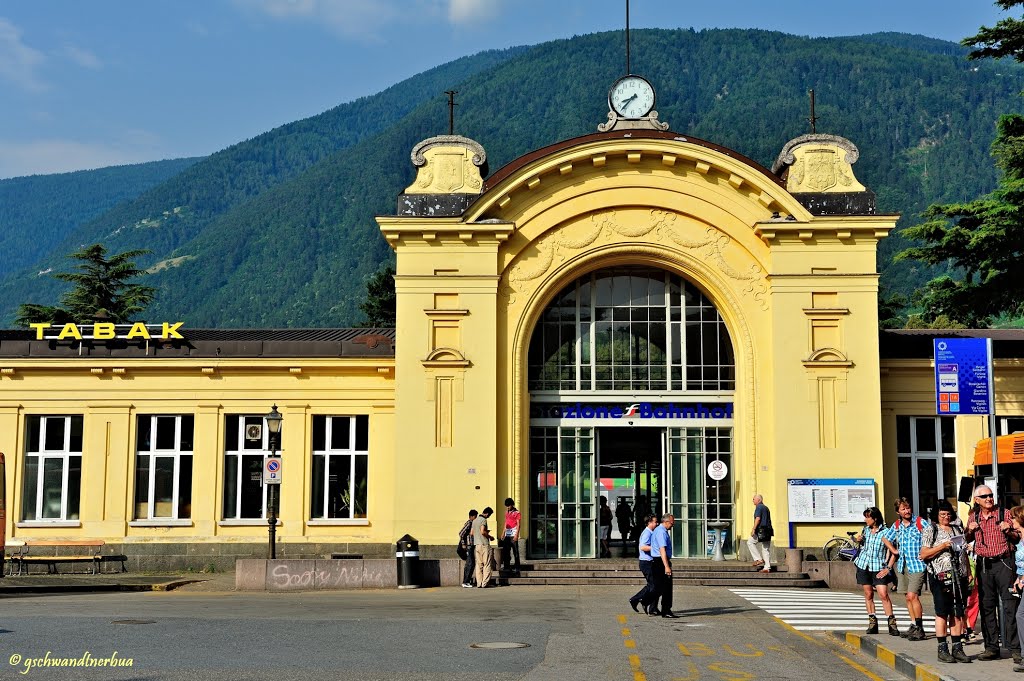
(408, 556)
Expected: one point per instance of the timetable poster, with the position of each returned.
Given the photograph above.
(825, 500)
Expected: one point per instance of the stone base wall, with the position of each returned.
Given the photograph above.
(838, 574)
(333, 575)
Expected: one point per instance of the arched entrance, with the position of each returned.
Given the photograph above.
(631, 376)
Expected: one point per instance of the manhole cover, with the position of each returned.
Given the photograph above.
(500, 645)
(134, 622)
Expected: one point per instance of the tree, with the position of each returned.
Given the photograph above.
(379, 306)
(983, 239)
(101, 288)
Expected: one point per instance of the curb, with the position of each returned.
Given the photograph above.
(898, 662)
(171, 586)
(93, 588)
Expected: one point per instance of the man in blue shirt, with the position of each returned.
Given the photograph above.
(648, 595)
(910, 569)
(661, 553)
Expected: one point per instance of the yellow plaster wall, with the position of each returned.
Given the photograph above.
(111, 402)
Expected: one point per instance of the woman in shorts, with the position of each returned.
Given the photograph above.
(874, 567)
(943, 549)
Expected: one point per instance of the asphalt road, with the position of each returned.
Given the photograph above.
(572, 633)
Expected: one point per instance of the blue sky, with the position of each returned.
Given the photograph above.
(86, 84)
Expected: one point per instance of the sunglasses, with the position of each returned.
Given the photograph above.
(986, 496)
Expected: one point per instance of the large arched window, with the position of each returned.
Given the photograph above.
(631, 329)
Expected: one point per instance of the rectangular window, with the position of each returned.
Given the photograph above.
(53, 468)
(926, 446)
(163, 467)
(340, 452)
(246, 447)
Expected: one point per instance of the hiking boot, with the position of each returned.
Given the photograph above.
(872, 625)
(958, 653)
(908, 632)
(893, 629)
(944, 655)
(988, 654)
(916, 633)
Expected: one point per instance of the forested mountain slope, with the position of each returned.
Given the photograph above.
(296, 250)
(38, 211)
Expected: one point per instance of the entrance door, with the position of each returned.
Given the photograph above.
(577, 505)
(693, 497)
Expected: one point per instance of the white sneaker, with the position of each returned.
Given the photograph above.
(467, 585)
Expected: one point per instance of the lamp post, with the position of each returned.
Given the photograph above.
(274, 419)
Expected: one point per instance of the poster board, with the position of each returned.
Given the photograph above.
(829, 500)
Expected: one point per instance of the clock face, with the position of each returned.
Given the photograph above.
(631, 97)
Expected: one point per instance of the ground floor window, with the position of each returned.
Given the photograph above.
(340, 453)
(163, 469)
(926, 446)
(53, 468)
(246, 446)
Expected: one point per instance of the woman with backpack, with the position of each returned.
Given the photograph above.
(944, 551)
(874, 567)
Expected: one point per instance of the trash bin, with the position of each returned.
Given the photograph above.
(408, 556)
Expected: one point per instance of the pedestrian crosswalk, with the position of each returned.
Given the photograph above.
(820, 610)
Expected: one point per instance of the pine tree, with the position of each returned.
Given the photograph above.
(101, 289)
(379, 306)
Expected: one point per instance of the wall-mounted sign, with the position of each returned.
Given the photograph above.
(830, 500)
(109, 331)
(636, 411)
(717, 470)
(962, 376)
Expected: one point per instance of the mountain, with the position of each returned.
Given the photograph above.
(38, 211)
(279, 230)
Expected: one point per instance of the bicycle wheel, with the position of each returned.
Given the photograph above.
(832, 547)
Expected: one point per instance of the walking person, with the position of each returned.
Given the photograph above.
(465, 549)
(483, 553)
(760, 542)
(1017, 520)
(604, 527)
(874, 568)
(993, 536)
(510, 537)
(647, 596)
(661, 552)
(910, 569)
(944, 550)
(623, 513)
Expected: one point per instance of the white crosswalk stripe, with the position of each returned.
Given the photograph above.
(814, 610)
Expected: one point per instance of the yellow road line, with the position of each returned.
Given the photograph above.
(801, 634)
(625, 632)
(634, 662)
(630, 643)
(622, 619)
(863, 670)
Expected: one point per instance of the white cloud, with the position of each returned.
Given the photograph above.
(471, 11)
(40, 157)
(18, 61)
(82, 57)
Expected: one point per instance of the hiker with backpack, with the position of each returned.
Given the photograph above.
(874, 567)
(910, 569)
(994, 544)
(945, 551)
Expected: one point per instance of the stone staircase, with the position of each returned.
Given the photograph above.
(613, 571)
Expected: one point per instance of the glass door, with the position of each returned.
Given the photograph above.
(690, 495)
(577, 507)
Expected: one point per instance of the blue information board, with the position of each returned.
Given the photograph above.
(962, 376)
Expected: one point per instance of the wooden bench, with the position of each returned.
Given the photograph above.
(92, 553)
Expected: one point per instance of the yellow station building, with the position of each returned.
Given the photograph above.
(606, 316)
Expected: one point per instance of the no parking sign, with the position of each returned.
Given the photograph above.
(272, 470)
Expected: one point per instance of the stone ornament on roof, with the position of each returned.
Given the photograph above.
(818, 164)
(448, 164)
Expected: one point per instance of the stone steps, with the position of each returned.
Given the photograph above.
(625, 572)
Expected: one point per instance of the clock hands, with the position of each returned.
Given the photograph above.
(625, 102)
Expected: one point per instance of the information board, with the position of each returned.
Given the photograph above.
(830, 500)
(962, 376)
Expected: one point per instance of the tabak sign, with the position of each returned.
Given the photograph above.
(108, 331)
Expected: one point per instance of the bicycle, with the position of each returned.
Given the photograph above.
(841, 548)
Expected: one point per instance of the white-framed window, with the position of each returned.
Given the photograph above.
(53, 468)
(246, 446)
(340, 458)
(1008, 425)
(926, 448)
(163, 467)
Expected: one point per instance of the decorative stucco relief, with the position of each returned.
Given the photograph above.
(561, 243)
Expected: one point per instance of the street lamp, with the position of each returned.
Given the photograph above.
(274, 419)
